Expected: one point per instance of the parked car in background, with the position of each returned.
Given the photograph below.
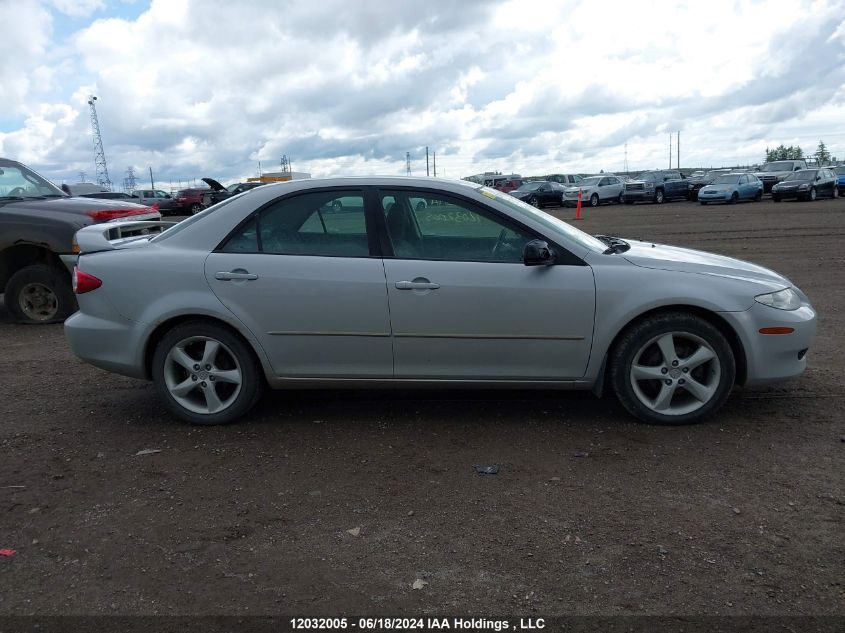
(266, 290)
(506, 186)
(157, 198)
(189, 201)
(82, 188)
(37, 224)
(108, 195)
(695, 183)
(656, 186)
(840, 176)
(594, 190)
(540, 193)
(567, 180)
(218, 192)
(807, 184)
(731, 188)
(772, 173)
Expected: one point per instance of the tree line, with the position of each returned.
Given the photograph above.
(781, 152)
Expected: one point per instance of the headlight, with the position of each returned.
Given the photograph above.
(786, 299)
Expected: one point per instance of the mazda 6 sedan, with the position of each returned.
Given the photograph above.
(472, 289)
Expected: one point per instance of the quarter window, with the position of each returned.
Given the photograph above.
(432, 226)
(323, 223)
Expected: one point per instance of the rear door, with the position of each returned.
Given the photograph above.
(310, 285)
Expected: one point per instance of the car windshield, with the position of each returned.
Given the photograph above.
(804, 174)
(17, 181)
(840, 171)
(530, 186)
(778, 166)
(727, 179)
(590, 182)
(558, 226)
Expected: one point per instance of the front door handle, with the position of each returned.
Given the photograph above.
(229, 276)
(416, 285)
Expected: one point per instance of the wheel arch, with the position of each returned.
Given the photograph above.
(19, 256)
(165, 326)
(711, 317)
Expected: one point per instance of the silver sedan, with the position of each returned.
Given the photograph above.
(421, 282)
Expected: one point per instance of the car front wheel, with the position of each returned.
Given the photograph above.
(39, 294)
(812, 195)
(673, 368)
(534, 201)
(594, 200)
(206, 374)
(658, 196)
(195, 208)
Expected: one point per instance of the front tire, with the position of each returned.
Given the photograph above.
(758, 196)
(835, 192)
(534, 201)
(659, 196)
(775, 198)
(594, 200)
(206, 374)
(196, 208)
(812, 195)
(672, 368)
(40, 294)
(734, 197)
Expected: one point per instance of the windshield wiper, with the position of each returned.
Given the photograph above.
(614, 244)
(12, 198)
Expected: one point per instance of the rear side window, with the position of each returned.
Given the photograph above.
(322, 223)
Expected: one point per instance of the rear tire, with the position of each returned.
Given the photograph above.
(639, 358)
(835, 192)
(40, 294)
(227, 384)
(620, 199)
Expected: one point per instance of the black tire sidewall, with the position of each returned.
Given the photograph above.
(252, 385)
(57, 280)
(637, 334)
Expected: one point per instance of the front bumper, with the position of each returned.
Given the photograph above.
(645, 195)
(792, 193)
(774, 357)
(714, 196)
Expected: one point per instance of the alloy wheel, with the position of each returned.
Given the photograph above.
(675, 373)
(202, 375)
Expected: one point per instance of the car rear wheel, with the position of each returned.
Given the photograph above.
(620, 199)
(836, 192)
(673, 368)
(206, 374)
(658, 196)
(40, 294)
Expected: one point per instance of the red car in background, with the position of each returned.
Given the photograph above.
(189, 200)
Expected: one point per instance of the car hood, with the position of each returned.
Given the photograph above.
(665, 257)
(216, 186)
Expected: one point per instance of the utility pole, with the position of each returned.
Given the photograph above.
(152, 183)
(626, 158)
(678, 153)
(435, 163)
(407, 163)
(670, 150)
(99, 154)
(426, 161)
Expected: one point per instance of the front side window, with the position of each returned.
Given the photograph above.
(16, 181)
(444, 228)
(324, 223)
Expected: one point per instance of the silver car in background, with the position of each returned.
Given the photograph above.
(594, 191)
(473, 288)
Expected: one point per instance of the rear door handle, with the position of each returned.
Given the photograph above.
(416, 285)
(224, 276)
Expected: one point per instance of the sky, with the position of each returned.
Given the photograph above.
(194, 88)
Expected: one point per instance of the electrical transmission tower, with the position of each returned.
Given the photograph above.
(129, 183)
(99, 154)
(407, 163)
(285, 164)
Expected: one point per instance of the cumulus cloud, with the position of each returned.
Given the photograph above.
(211, 87)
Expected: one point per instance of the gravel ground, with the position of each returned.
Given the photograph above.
(323, 503)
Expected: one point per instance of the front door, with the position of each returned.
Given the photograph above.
(300, 275)
(463, 306)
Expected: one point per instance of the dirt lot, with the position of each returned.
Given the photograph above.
(590, 513)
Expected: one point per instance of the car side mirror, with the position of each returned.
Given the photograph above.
(537, 253)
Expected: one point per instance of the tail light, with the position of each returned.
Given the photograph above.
(104, 215)
(83, 282)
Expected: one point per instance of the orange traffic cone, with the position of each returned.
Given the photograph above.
(578, 207)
